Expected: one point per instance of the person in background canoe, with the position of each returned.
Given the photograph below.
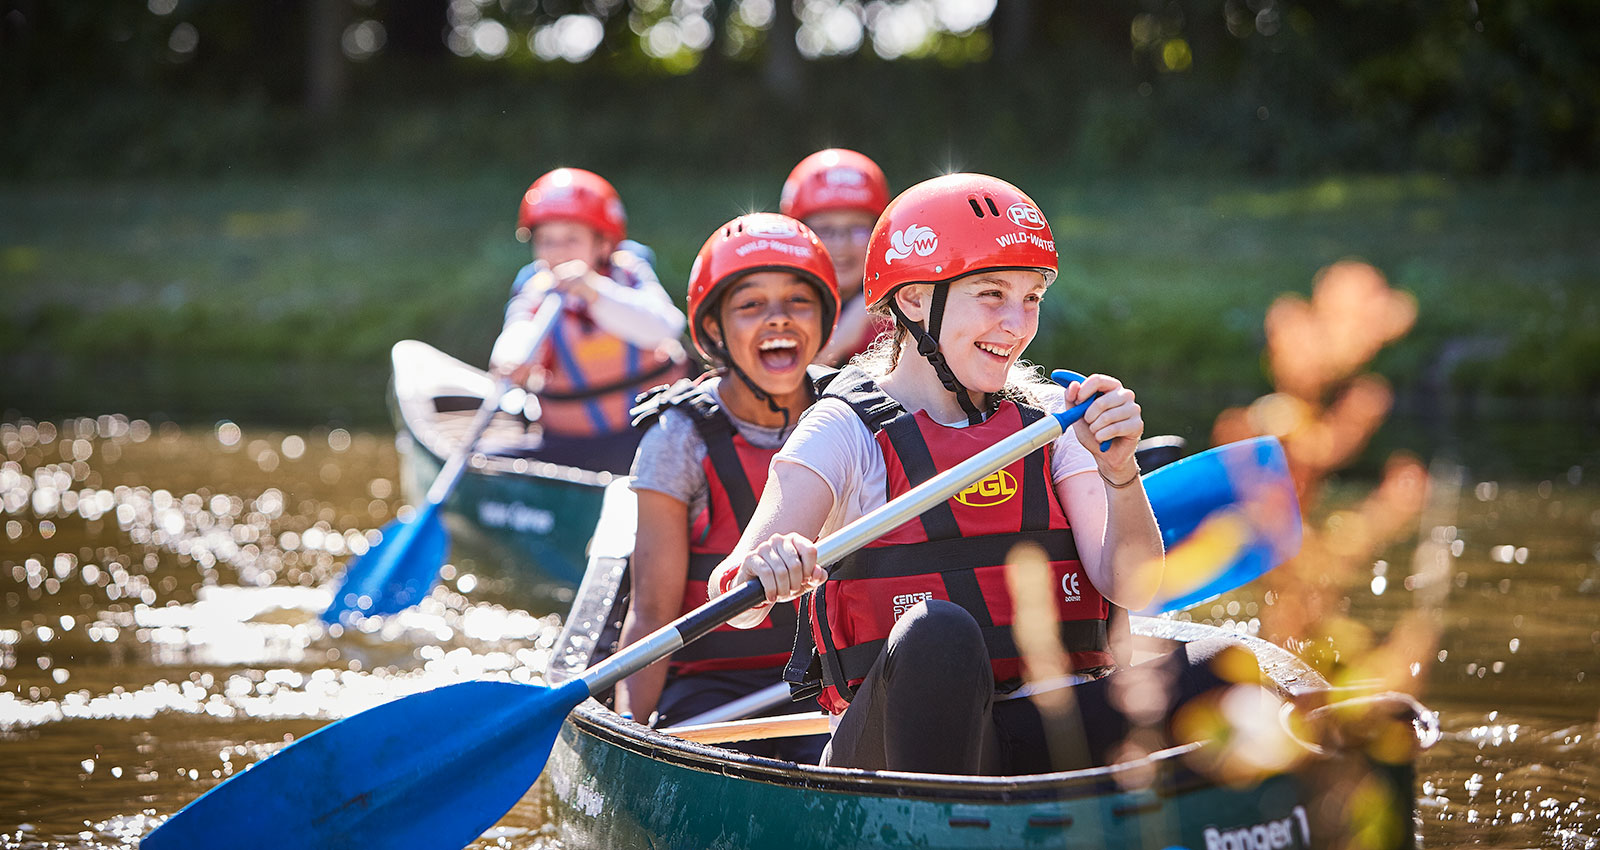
(839, 193)
(762, 302)
(618, 332)
(912, 640)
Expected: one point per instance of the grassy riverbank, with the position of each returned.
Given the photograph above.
(276, 299)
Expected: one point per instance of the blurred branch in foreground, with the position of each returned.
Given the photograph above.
(1325, 411)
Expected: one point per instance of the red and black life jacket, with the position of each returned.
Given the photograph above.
(592, 376)
(736, 473)
(955, 551)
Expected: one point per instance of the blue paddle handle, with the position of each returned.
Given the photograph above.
(1064, 377)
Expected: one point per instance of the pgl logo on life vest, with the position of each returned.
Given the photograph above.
(914, 239)
(903, 602)
(1026, 215)
(990, 491)
(1069, 587)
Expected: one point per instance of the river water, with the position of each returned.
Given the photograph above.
(159, 632)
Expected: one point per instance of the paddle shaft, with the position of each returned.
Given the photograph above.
(833, 548)
(545, 321)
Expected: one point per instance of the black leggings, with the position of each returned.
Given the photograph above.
(928, 706)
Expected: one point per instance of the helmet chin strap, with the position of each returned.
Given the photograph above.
(928, 347)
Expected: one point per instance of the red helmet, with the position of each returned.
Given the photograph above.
(575, 195)
(753, 243)
(954, 225)
(834, 179)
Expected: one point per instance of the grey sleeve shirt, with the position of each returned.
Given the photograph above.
(671, 456)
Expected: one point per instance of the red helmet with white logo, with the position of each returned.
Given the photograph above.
(754, 243)
(941, 229)
(572, 194)
(834, 179)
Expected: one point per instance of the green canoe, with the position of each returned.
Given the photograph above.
(615, 783)
(528, 521)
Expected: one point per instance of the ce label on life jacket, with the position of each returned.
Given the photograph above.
(992, 490)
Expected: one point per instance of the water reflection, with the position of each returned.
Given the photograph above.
(159, 631)
(160, 628)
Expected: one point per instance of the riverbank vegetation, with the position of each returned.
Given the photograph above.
(278, 297)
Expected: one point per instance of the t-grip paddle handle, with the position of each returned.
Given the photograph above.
(1065, 377)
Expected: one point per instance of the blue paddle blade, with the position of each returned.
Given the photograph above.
(433, 769)
(395, 574)
(1227, 516)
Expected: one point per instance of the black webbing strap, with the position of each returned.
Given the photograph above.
(702, 564)
(1036, 484)
(832, 670)
(717, 433)
(873, 406)
(939, 521)
(961, 553)
(745, 643)
(804, 670)
(1076, 636)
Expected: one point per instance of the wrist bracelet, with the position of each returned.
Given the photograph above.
(1114, 485)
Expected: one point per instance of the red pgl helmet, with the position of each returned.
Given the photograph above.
(941, 229)
(834, 179)
(572, 194)
(754, 243)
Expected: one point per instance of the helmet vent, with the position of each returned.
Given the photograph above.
(976, 210)
(992, 208)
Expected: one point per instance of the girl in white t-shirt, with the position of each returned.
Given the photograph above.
(912, 633)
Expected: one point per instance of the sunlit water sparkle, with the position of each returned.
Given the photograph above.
(159, 632)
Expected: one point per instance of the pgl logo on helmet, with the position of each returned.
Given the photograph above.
(842, 176)
(1024, 214)
(774, 228)
(914, 239)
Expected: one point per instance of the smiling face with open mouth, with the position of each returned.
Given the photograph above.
(772, 322)
(989, 319)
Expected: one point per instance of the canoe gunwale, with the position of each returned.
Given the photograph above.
(600, 723)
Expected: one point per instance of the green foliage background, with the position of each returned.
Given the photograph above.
(195, 233)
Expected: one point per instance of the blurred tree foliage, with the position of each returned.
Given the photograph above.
(1267, 86)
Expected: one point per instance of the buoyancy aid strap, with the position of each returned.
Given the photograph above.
(942, 556)
(703, 564)
(833, 672)
(717, 432)
(730, 643)
(853, 662)
(873, 406)
(1037, 486)
(651, 403)
(661, 370)
(939, 521)
(804, 670)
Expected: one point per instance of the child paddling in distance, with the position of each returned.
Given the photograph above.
(762, 302)
(911, 636)
(618, 330)
(839, 193)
